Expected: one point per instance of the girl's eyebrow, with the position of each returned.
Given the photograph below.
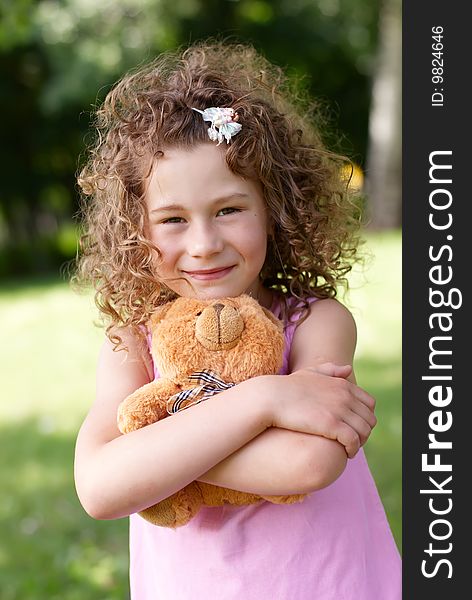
(174, 207)
(168, 208)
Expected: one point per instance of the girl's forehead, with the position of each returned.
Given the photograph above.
(199, 157)
(181, 175)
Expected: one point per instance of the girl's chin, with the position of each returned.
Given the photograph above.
(211, 292)
(216, 292)
(217, 288)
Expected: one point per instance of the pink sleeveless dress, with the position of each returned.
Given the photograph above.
(335, 545)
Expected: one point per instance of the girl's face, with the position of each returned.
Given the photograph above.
(210, 225)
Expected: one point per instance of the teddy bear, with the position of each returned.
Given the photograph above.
(199, 348)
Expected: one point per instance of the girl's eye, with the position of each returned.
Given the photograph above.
(171, 220)
(228, 210)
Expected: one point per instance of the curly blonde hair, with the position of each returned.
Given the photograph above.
(315, 222)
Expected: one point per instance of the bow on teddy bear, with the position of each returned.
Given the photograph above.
(200, 348)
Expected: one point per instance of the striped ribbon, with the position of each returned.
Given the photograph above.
(210, 383)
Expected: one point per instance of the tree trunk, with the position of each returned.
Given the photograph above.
(383, 177)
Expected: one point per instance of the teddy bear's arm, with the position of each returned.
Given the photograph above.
(146, 405)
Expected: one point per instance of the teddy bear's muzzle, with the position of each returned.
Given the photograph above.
(219, 327)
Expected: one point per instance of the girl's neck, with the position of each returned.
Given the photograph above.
(264, 296)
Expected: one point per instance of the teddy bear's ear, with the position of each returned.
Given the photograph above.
(160, 313)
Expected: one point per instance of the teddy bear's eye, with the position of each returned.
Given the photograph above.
(199, 313)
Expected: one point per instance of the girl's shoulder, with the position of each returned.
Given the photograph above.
(290, 309)
(315, 327)
(326, 315)
(328, 332)
(134, 346)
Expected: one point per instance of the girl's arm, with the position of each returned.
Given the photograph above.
(117, 475)
(281, 461)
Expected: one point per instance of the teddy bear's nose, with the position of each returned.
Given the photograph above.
(219, 327)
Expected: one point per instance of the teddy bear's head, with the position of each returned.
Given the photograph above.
(235, 337)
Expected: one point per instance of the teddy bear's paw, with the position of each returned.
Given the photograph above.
(214, 495)
(176, 510)
(146, 405)
(287, 499)
(161, 514)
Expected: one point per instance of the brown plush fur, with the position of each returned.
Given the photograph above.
(236, 338)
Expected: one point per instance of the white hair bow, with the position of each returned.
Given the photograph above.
(223, 123)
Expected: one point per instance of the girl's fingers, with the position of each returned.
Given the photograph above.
(365, 398)
(332, 370)
(364, 413)
(348, 437)
(360, 426)
(343, 371)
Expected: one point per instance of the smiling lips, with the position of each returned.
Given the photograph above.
(209, 274)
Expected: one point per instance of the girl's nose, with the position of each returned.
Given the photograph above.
(204, 240)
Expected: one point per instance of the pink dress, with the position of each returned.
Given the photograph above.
(335, 545)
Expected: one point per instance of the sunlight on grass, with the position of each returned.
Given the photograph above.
(375, 297)
(375, 301)
(51, 355)
(48, 373)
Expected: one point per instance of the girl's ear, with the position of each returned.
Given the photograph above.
(160, 313)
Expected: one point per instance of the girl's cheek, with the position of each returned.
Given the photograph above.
(159, 239)
(255, 241)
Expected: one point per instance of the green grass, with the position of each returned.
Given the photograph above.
(375, 301)
(50, 547)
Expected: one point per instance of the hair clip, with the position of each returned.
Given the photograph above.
(223, 123)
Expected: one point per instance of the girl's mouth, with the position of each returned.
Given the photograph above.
(209, 274)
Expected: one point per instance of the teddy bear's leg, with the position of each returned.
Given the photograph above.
(214, 495)
(146, 405)
(176, 510)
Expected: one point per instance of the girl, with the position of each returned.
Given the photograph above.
(207, 181)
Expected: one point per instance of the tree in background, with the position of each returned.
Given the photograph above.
(384, 154)
(56, 54)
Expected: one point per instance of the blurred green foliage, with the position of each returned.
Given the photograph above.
(50, 548)
(58, 58)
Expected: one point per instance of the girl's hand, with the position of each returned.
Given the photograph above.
(319, 400)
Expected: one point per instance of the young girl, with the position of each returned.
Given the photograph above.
(207, 181)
